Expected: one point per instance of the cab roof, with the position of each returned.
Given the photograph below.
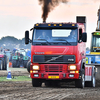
(55, 25)
(96, 33)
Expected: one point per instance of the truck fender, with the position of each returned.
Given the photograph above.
(82, 68)
(83, 64)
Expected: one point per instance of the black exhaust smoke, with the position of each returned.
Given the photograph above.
(48, 5)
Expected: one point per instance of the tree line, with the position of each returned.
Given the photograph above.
(10, 42)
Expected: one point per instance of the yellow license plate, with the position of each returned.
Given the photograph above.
(53, 77)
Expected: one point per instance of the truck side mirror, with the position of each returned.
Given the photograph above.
(26, 37)
(84, 37)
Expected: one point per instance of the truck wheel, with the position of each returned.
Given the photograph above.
(1, 66)
(91, 83)
(81, 82)
(28, 66)
(36, 83)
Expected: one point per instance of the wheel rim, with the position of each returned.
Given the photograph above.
(83, 80)
(93, 81)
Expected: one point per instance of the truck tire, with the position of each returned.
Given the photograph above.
(91, 83)
(80, 83)
(28, 66)
(36, 83)
(1, 65)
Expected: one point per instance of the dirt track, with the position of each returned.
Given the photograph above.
(25, 91)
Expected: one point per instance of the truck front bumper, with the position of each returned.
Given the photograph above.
(55, 76)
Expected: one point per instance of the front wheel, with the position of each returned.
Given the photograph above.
(28, 66)
(36, 83)
(81, 82)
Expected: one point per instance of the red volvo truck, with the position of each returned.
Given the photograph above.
(58, 54)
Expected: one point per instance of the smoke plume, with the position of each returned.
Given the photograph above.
(48, 5)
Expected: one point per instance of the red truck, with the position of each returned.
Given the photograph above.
(58, 54)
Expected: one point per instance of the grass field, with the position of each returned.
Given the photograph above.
(16, 78)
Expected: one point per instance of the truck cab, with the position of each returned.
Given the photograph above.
(94, 56)
(58, 52)
(95, 44)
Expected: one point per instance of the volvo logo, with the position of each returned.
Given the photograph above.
(53, 58)
(39, 52)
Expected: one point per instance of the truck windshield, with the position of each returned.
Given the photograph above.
(95, 43)
(55, 37)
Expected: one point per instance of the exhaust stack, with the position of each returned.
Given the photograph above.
(44, 21)
(98, 21)
(81, 19)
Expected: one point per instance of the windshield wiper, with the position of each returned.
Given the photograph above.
(63, 40)
(45, 40)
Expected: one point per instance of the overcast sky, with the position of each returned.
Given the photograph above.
(16, 16)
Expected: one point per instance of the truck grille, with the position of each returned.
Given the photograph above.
(54, 59)
(53, 68)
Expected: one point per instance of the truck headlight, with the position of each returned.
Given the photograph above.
(72, 67)
(36, 67)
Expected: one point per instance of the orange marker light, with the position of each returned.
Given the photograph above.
(31, 71)
(54, 24)
(60, 24)
(37, 24)
(49, 24)
(76, 71)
